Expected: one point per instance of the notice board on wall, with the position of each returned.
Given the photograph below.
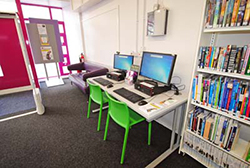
(43, 43)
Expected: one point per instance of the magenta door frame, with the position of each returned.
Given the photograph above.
(25, 36)
(61, 64)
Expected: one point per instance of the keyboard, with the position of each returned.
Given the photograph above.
(131, 96)
(102, 81)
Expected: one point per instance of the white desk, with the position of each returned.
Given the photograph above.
(176, 107)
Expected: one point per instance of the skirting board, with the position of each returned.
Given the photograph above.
(15, 90)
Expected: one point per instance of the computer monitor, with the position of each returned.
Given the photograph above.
(158, 66)
(123, 62)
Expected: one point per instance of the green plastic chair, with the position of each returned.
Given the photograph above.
(98, 97)
(126, 118)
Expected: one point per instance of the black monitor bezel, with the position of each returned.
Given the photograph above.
(122, 55)
(172, 66)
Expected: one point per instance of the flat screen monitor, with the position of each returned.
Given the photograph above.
(123, 62)
(158, 66)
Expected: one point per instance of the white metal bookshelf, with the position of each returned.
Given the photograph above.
(237, 152)
(224, 113)
(214, 37)
(220, 73)
(240, 29)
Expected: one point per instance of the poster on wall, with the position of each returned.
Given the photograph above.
(1, 71)
(47, 53)
(42, 31)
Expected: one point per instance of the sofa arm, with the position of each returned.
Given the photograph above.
(98, 72)
(78, 66)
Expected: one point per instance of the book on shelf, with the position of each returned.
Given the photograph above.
(231, 59)
(222, 12)
(210, 155)
(222, 93)
(241, 12)
(235, 12)
(247, 14)
(220, 130)
(210, 13)
(227, 13)
(217, 13)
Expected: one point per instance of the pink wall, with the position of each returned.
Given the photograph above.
(11, 57)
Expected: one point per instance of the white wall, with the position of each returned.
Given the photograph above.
(74, 34)
(181, 39)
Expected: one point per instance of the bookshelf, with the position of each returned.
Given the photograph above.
(224, 113)
(238, 152)
(232, 75)
(218, 37)
(243, 29)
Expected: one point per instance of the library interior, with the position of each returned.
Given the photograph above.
(115, 83)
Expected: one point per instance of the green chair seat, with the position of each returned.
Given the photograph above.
(135, 118)
(98, 96)
(105, 98)
(126, 118)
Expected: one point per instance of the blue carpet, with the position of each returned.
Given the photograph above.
(12, 104)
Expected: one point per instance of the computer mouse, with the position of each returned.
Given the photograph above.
(110, 86)
(141, 103)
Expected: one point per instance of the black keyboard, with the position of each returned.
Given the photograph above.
(131, 96)
(102, 81)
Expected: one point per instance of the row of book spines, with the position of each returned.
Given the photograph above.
(225, 13)
(227, 59)
(208, 153)
(217, 129)
(230, 95)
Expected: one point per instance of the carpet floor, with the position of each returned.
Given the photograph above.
(16, 103)
(64, 137)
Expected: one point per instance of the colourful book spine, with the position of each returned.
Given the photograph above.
(235, 12)
(247, 14)
(216, 13)
(242, 58)
(245, 60)
(237, 99)
(217, 93)
(193, 89)
(230, 12)
(212, 57)
(246, 103)
(248, 107)
(222, 93)
(222, 12)
(226, 98)
(208, 56)
(196, 87)
(225, 15)
(200, 55)
(241, 12)
(238, 58)
(227, 58)
(243, 103)
(247, 71)
(234, 95)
